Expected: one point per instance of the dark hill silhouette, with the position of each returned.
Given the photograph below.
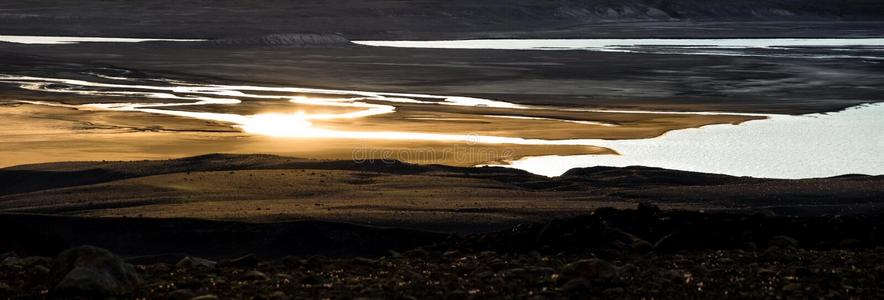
(385, 18)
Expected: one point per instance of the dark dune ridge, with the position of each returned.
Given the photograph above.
(28, 178)
(271, 189)
(37, 177)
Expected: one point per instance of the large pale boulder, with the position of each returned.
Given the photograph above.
(92, 272)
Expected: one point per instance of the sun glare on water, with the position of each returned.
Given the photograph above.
(278, 125)
(284, 125)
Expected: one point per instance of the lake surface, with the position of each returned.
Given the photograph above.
(781, 146)
(864, 48)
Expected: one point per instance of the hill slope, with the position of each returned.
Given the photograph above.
(265, 188)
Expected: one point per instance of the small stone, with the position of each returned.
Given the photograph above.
(315, 261)
(311, 280)
(849, 244)
(482, 274)
(783, 241)
(642, 247)
(487, 254)
(544, 271)
(750, 246)
(417, 253)
(5, 288)
(247, 261)
(256, 276)
(11, 261)
(647, 209)
(765, 271)
(195, 262)
(293, 261)
(40, 271)
(36, 261)
(577, 286)
(517, 273)
(3, 256)
(673, 275)
(206, 297)
(278, 295)
(791, 287)
(767, 213)
(365, 261)
(181, 294)
(450, 254)
(590, 268)
(412, 275)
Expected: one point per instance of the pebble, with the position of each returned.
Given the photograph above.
(40, 271)
(195, 262)
(577, 286)
(256, 276)
(5, 255)
(590, 268)
(246, 261)
(278, 295)
(180, 294)
(783, 241)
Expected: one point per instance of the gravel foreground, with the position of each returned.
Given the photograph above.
(580, 258)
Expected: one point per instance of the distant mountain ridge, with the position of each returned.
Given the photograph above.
(748, 9)
(393, 19)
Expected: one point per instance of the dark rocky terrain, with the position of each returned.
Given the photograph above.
(612, 253)
(743, 237)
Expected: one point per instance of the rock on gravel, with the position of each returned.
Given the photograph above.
(247, 261)
(590, 268)
(92, 272)
(783, 241)
(6, 255)
(180, 294)
(195, 262)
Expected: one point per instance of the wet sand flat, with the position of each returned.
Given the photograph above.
(72, 119)
(33, 134)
